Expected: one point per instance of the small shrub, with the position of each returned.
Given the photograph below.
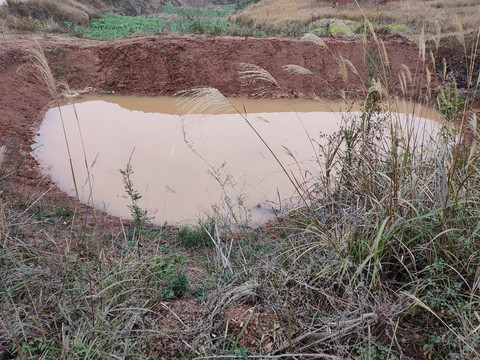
(166, 274)
(65, 213)
(140, 216)
(175, 286)
(449, 103)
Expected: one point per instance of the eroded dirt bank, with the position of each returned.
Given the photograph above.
(163, 65)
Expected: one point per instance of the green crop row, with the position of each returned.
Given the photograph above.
(112, 26)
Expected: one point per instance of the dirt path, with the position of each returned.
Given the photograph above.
(161, 65)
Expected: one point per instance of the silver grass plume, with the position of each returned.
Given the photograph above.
(315, 39)
(296, 70)
(253, 73)
(202, 100)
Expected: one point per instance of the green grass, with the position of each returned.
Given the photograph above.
(112, 26)
(195, 236)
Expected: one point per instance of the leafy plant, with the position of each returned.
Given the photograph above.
(449, 103)
(373, 352)
(169, 277)
(35, 347)
(140, 216)
(112, 26)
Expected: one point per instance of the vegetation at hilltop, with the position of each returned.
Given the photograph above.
(112, 26)
(435, 19)
(52, 15)
(381, 262)
(432, 17)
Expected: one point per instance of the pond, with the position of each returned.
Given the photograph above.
(191, 166)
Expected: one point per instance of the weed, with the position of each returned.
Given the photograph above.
(140, 216)
(28, 348)
(172, 280)
(196, 236)
(239, 354)
(373, 353)
(449, 103)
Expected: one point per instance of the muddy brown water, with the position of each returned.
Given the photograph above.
(188, 167)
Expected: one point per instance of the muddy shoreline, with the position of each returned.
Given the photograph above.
(162, 65)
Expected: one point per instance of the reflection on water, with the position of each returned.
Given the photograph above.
(184, 165)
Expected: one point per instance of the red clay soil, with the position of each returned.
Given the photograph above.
(161, 65)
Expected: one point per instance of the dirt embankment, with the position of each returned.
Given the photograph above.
(163, 65)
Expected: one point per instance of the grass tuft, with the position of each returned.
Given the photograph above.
(315, 39)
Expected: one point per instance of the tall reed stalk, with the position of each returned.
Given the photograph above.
(40, 63)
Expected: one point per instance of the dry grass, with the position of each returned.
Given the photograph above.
(45, 15)
(436, 14)
(49, 10)
(2, 154)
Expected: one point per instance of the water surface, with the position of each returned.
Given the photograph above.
(186, 166)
